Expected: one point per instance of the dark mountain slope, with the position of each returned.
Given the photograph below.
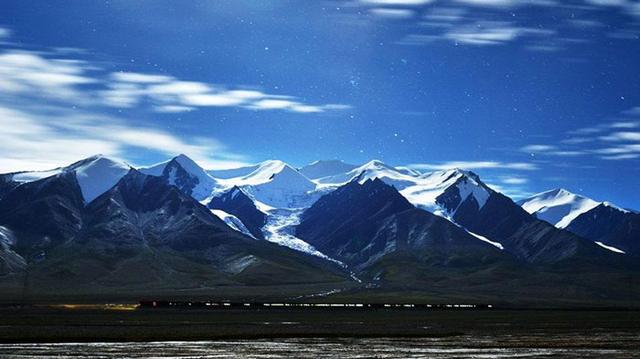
(374, 229)
(43, 213)
(237, 203)
(610, 226)
(521, 234)
(144, 234)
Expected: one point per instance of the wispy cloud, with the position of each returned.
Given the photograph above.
(30, 74)
(538, 148)
(392, 13)
(513, 180)
(614, 140)
(54, 110)
(4, 32)
(507, 3)
(475, 165)
(494, 22)
(622, 136)
(42, 138)
(397, 2)
(169, 94)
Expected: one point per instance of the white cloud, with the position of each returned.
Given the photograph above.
(172, 109)
(629, 156)
(139, 77)
(215, 100)
(294, 106)
(538, 148)
(172, 95)
(38, 140)
(30, 74)
(446, 14)
(625, 124)
(576, 140)
(622, 136)
(52, 111)
(512, 191)
(397, 2)
(507, 3)
(392, 13)
(485, 36)
(514, 180)
(475, 165)
(497, 3)
(4, 32)
(607, 2)
(493, 33)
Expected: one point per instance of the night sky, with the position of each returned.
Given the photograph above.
(532, 95)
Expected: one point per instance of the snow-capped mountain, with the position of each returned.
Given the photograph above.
(95, 175)
(365, 224)
(98, 218)
(408, 171)
(557, 206)
(182, 172)
(443, 192)
(370, 170)
(276, 185)
(325, 168)
(608, 225)
(439, 192)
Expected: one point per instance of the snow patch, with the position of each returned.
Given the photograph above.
(611, 248)
(232, 221)
(280, 227)
(485, 239)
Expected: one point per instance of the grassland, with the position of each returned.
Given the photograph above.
(120, 323)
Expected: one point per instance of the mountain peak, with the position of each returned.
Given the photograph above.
(375, 164)
(188, 164)
(557, 206)
(97, 174)
(557, 192)
(184, 173)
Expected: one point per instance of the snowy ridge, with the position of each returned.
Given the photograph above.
(429, 187)
(370, 170)
(422, 190)
(558, 206)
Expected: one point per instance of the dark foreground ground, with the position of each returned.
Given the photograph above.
(541, 328)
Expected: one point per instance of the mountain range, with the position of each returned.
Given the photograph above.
(101, 227)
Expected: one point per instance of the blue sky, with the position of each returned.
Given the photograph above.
(530, 94)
